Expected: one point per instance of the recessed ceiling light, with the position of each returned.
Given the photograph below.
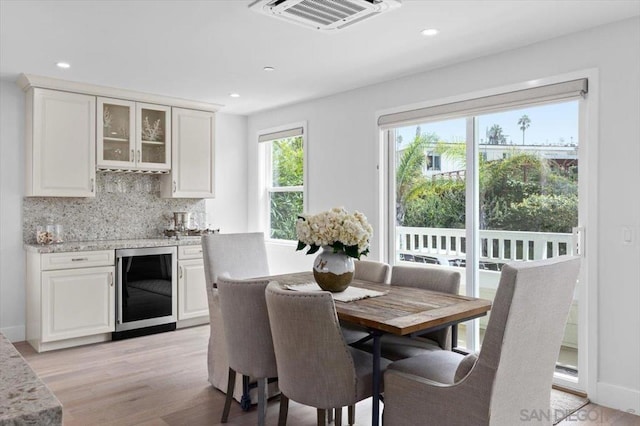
(63, 65)
(269, 69)
(430, 32)
(234, 95)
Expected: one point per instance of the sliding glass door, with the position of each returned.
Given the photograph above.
(476, 191)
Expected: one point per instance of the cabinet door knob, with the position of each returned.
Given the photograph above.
(111, 279)
(139, 156)
(133, 156)
(92, 184)
(79, 259)
(180, 268)
(175, 186)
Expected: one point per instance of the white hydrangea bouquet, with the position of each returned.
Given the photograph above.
(345, 233)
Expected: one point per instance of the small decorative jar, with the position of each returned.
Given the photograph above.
(43, 236)
(56, 233)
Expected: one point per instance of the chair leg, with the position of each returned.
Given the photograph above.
(262, 401)
(338, 416)
(245, 400)
(284, 410)
(352, 414)
(231, 383)
(322, 417)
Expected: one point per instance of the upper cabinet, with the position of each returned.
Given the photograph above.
(60, 144)
(116, 133)
(73, 128)
(192, 171)
(133, 136)
(153, 126)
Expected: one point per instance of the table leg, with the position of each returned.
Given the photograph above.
(454, 336)
(375, 403)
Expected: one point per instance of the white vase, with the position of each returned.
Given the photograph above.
(333, 271)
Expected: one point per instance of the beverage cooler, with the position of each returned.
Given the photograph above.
(146, 291)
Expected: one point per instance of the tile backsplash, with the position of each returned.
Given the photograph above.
(126, 206)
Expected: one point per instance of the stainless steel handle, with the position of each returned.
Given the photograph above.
(118, 290)
(111, 279)
(175, 186)
(79, 259)
(133, 156)
(139, 156)
(180, 268)
(92, 184)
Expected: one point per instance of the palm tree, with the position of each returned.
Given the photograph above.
(524, 125)
(410, 180)
(495, 136)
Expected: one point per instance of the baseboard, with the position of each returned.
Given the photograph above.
(193, 322)
(14, 334)
(618, 397)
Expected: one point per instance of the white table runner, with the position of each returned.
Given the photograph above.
(349, 295)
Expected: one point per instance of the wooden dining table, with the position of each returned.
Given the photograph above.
(401, 311)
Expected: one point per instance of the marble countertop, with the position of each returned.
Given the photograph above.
(74, 246)
(24, 398)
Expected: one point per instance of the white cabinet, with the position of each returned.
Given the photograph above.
(70, 298)
(193, 306)
(133, 135)
(192, 171)
(153, 136)
(77, 302)
(115, 133)
(60, 144)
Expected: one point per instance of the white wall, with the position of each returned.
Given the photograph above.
(343, 154)
(12, 287)
(228, 210)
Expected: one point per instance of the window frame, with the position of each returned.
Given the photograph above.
(266, 164)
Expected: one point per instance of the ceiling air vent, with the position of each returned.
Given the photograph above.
(324, 14)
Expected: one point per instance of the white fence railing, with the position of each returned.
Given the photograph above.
(448, 246)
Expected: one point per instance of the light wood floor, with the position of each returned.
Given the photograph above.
(162, 380)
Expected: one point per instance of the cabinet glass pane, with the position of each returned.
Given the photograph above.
(154, 136)
(115, 122)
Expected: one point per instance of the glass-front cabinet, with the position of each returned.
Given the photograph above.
(116, 135)
(133, 136)
(154, 136)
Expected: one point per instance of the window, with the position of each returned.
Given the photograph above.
(433, 162)
(284, 181)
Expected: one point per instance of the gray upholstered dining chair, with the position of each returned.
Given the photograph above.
(435, 278)
(432, 278)
(316, 367)
(238, 256)
(367, 270)
(249, 345)
(514, 369)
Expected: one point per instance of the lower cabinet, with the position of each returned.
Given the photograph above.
(70, 298)
(77, 302)
(193, 307)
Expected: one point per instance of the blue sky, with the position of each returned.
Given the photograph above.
(553, 124)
